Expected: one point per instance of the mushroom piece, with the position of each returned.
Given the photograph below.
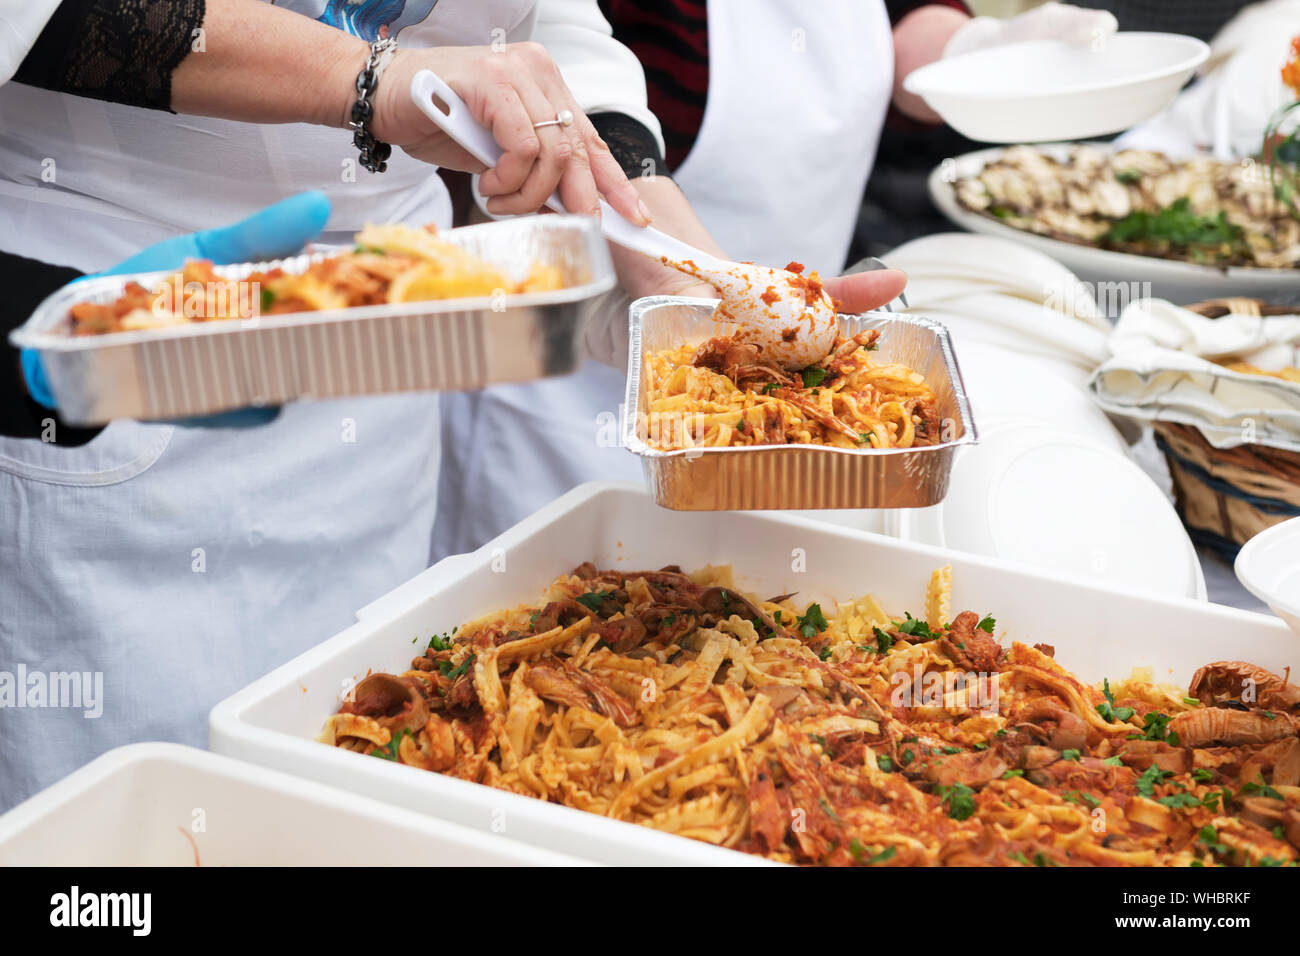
(724, 602)
(1264, 811)
(1035, 757)
(1286, 768)
(394, 702)
(622, 634)
(1049, 720)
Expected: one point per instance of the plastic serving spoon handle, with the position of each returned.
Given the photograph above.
(460, 125)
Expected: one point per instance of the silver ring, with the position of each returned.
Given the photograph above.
(562, 118)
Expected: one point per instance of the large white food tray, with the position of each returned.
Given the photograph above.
(1097, 633)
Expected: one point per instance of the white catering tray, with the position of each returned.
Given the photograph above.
(162, 804)
(1096, 632)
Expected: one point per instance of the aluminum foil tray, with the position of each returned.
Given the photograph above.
(797, 477)
(451, 344)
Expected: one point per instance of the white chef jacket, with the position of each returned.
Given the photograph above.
(797, 99)
(180, 562)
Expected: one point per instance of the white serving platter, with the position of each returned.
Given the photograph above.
(158, 804)
(1097, 633)
(1180, 282)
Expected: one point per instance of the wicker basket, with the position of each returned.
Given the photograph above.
(1226, 496)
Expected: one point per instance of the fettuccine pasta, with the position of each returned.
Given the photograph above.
(721, 395)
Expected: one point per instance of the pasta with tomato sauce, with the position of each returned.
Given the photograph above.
(721, 395)
(840, 736)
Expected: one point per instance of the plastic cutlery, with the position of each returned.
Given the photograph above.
(790, 317)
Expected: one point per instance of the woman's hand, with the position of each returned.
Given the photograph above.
(508, 91)
(639, 276)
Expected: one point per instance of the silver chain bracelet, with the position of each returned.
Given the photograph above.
(374, 154)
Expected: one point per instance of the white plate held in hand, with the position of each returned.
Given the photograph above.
(1046, 90)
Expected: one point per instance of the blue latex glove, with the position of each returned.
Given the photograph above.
(279, 230)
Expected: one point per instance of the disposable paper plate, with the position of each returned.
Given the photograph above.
(1268, 566)
(1045, 90)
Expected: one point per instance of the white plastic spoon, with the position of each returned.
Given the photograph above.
(791, 319)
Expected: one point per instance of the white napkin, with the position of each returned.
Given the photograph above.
(1163, 367)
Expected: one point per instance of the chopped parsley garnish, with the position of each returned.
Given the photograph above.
(825, 654)
(813, 376)
(1210, 837)
(1070, 754)
(593, 600)
(1201, 773)
(1177, 800)
(453, 672)
(883, 641)
(987, 623)
(1108, 710)
(268, 298)
(389, 752)
(812, 622)
(1018, 857)
(770, 387)
(1263, 789)
(1013, 773)
(906, 757)
(1113, 762)
(862, 856)
(885, 763)
(1154, 729)
(1151, 778)
(439, 642)
(916, 628)
(959, 799)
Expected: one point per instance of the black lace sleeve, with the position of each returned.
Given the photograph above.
(631, 143)
(123, 51)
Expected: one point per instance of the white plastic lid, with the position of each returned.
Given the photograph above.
(1268, 566)
(1030, 494)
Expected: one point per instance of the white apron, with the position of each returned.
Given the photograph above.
(797, 98)
(176, 564)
